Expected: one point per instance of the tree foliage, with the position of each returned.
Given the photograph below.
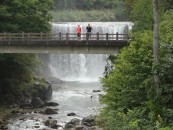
(87, 4)
(130, 101)
(25, 15)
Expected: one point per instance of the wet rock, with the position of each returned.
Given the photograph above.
(89, 120)
(80, 127)
(94, 128)
(73, 123)
(13, 106)
(42, 112)
(50, 111)
(3, 127)
(47, 123)
(25, 101)
(1, 121)
(37, 102)
(26, 105)
(37, 126)
(52, 124)
(67, 126)
(15, 111)
(71, 114)
(96, 91)
(51, 104)
(43, 90)
(22, 119)
(50, 117)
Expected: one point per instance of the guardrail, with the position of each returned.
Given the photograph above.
(60, 36)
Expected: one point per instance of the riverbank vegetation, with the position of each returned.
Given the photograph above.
(131, 100)
(88, 10)
(25, 16)
(17, 70)
(83, 16)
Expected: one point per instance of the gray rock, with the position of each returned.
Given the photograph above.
(71, 114)
(44, 92)
(67, 126)
(96, 90)
(37, 102)
(80, 127)
(89, 120)
(51, 104)
(50, 111)
(73, 123)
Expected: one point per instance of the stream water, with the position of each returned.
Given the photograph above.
(72, 97)
(73, 79)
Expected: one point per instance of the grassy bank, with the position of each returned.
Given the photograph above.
(84, 15)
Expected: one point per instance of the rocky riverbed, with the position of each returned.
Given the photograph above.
(74, 106)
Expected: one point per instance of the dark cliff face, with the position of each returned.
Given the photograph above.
(44, 92)
(38, 88)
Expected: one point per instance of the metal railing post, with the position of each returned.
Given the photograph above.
(117, 36)
(9, 36)
(41, 36)
(67, 36)
(5, 37)
(60, 36)
(87, 36)
(28, 36)
(23, 35)
(106, 36)
(97, 36)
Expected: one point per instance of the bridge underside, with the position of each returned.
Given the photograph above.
(63, 47)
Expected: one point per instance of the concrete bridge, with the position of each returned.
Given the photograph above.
(62, 43)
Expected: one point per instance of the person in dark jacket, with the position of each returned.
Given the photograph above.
(89, 29)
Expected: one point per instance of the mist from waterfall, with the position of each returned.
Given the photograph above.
(74, 67)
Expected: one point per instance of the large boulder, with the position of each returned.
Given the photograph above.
(37, 102)
(42, 89)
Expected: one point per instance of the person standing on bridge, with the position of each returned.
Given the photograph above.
(89, 28)
(78, 31)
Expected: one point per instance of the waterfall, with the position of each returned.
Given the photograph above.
(74, 67)
(80, 67)
(101, 27)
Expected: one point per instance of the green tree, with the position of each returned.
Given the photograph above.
(131, 102)
(25, 15)
(16, 70)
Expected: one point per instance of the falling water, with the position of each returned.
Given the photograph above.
(101, 27)
(75, 67)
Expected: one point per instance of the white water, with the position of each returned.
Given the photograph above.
(101, 27)
(77, 67)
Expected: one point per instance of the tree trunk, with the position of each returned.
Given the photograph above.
(156, 45)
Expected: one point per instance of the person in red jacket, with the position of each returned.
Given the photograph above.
(78, 31)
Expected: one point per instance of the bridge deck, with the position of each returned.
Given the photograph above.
(61, 43)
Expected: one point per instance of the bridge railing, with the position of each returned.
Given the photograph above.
(60, 36)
